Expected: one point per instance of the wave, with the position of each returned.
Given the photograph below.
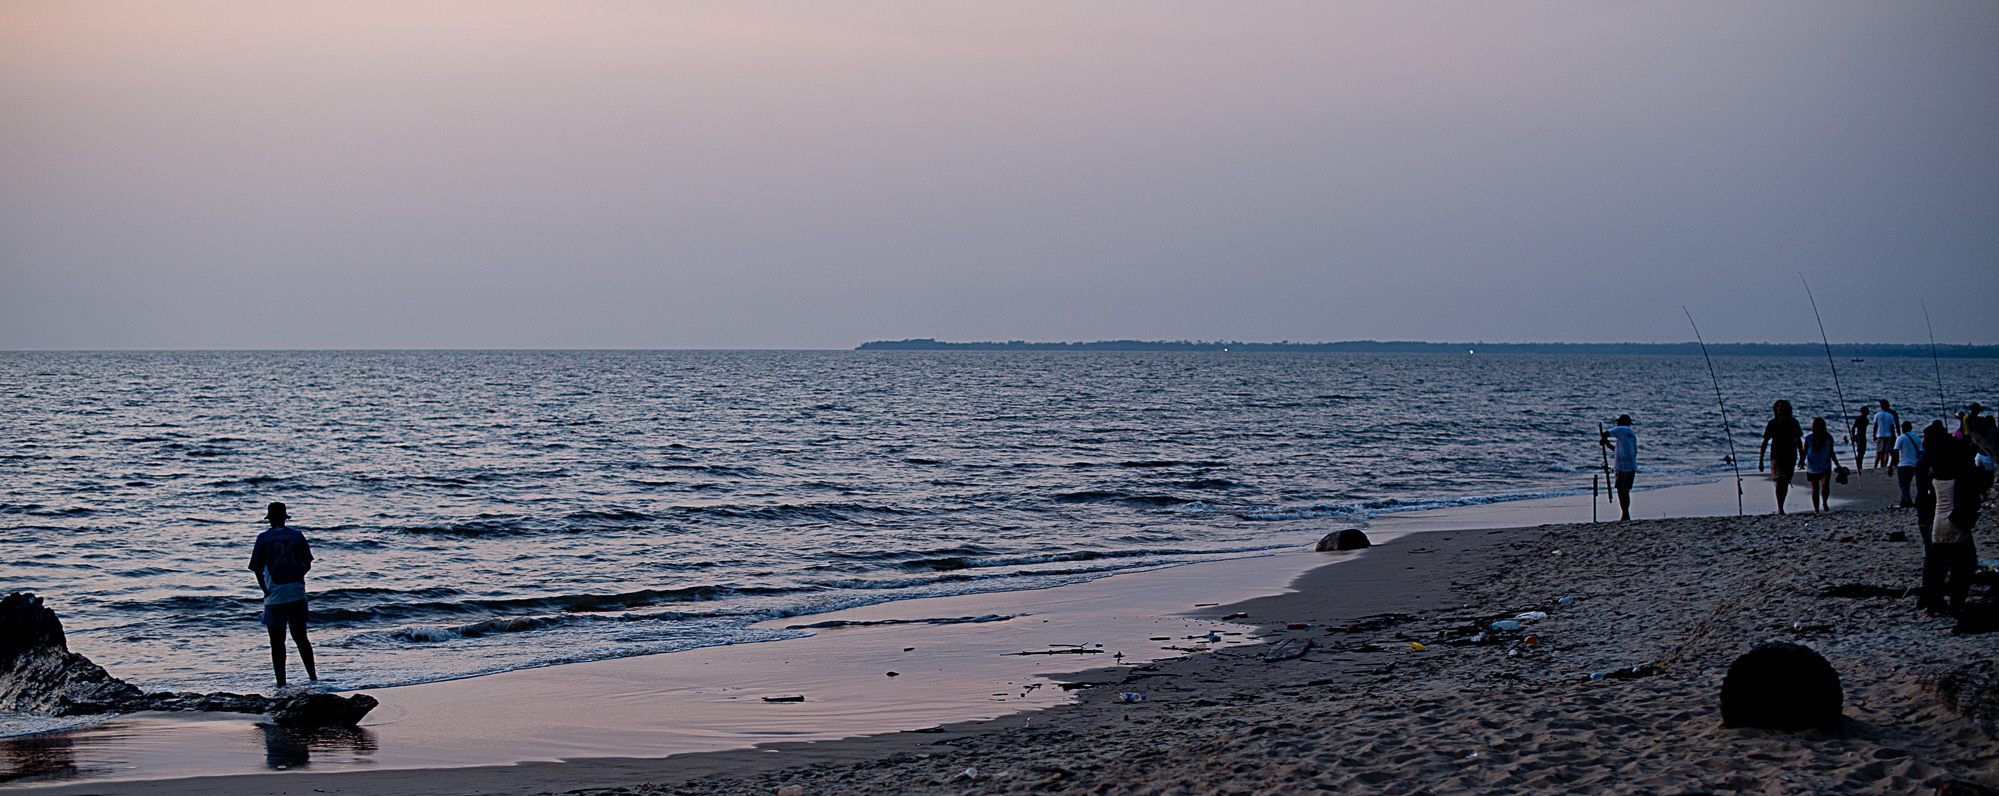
(958, 620)
(1098, 495)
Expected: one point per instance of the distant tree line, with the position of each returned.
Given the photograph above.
(1861, 350)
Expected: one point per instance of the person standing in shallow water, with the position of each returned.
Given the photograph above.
(280, 559)
(1861, 422)
(1885, 426)
(1623, 443)
(1782, 438)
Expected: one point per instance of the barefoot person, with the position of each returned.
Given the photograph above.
(281, 559)
(1781, 437)
(1885, 426)
(1623, 443)
(1859, 436)
(1818, 465)
(1908, 450)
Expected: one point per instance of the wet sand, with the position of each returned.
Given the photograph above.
(1201, 716)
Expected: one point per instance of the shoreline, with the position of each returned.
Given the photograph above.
(1375, 582)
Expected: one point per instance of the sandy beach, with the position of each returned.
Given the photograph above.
(1366, 711)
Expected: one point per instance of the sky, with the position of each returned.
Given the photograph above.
(658, 174)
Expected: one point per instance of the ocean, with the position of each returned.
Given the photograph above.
(482, 511)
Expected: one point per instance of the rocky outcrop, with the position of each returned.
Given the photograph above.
(38, 674)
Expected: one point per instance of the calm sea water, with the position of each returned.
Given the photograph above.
(482, 511)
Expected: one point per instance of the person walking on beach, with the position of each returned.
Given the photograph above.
(1781, 438)
(1908, 450)
(280, 559)
(1818, 465)
(1885, 426)
(1623, 443)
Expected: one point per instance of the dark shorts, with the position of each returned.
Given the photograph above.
(1816, 477)
(1782, 469)
(282, 614)
(1624, 480)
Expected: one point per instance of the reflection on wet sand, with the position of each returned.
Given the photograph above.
(289, 748)
(179, 744)
(50, 756)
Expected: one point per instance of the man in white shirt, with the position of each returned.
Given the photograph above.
(1907, 450)
(1885, 427)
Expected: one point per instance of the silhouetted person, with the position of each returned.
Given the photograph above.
(1859, 437)
(1623, 443)
(1819, 464)
(1952, 557)
(1782, 438)
(281, 559)
(1908, 451)
(1885, 426)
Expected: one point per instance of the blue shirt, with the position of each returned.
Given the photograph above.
(1627, 448)
(1818, 453)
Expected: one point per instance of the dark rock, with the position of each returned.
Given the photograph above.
(38, 674)
(1781, 686)
(1971, 691)
(1349, 539)
(322, 710)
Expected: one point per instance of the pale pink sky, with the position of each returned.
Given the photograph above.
(815, 175)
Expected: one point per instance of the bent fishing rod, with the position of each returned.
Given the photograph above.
(1727, 433)
(1828, 358)
(1943, 406)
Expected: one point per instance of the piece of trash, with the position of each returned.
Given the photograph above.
(1472, 755)
(1531, 640)
(1513, 653)
(1634, 672)
(1530, 616)
(1846, 538)
(1505, 624)
(789, 790)
(1131, 696)
(907, 649)
(1288, 649)
(1566, 601)
(1296, 625)
(1417, 646)
(895, 674)
(786, 698)
(1236, 615)
(1161, 638)
(970, 773)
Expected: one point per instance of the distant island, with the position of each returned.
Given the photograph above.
(1847, 350)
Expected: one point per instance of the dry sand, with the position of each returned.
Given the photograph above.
(1364, 712)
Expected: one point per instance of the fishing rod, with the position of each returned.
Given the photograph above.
(1608, 490)
(1727, 432)
(1943, 406)
(1828, 357)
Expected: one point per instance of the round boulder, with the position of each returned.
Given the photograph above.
(1781, 686)
(1349, 539)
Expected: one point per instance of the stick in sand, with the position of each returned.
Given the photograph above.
(1727, 432)
(1828, 358)
(1943, 406)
